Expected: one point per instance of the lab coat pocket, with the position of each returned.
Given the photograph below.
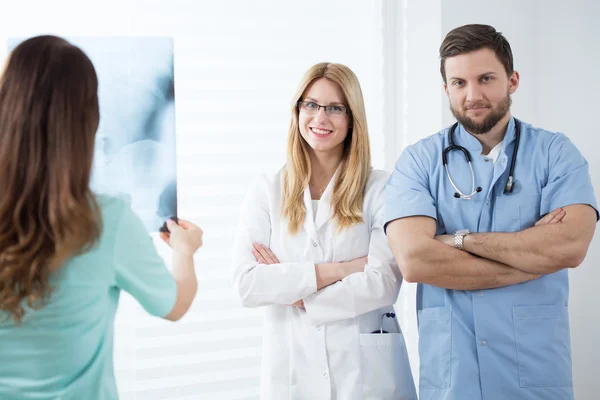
(386, 371)
(435, 347)
(543, 350)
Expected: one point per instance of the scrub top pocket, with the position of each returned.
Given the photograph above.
(515, 212)
(543, 350)
(435, 332)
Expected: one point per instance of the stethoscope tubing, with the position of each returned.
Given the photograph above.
(452, 146)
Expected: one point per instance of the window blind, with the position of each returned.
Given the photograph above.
(237, 66)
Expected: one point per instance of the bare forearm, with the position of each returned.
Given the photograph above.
(544, 248)
(439, 265)
(538, 250)
(424, 259)
(187, 284)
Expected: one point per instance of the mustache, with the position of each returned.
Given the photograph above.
(477, 105)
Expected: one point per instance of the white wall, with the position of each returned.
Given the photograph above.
(413, 108)
(568, 83)
(516, 20)
(556, 48)
(237, 65)
(556, 59)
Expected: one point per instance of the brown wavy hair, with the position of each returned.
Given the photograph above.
(48, 121)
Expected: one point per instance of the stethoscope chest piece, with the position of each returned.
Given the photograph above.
(383, 316)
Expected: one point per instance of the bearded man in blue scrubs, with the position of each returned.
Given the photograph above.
(490, 248)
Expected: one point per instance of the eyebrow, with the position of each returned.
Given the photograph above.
(335, 103)
(480, 75)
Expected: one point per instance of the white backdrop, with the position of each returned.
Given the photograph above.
(237, 65)
(556, 47)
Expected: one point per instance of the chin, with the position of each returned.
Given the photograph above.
(321, 148)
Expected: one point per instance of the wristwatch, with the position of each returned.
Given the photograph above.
(459, 236)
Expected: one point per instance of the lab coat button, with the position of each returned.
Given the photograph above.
(315, 244)
(324, 373)
(318, 329)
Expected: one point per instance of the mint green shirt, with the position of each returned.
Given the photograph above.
(64, 351)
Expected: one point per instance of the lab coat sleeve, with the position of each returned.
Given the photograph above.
(261, 284)
(360, 293)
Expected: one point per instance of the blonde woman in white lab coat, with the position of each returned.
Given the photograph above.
(311, 250)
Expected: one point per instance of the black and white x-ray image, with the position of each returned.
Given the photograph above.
(135, 144)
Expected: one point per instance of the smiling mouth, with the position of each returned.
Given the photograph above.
(320, 132)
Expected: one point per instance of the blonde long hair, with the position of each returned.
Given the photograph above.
(353, 171)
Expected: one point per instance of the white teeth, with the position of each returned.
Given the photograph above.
(321, 131)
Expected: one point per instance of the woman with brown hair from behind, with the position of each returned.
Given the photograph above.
(66, 253)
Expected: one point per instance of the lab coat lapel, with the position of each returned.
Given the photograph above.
(324, 212)
(309, 222)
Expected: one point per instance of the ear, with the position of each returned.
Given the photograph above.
(446, 88)
(513, 82)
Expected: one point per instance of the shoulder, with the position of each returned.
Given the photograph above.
(112, 208)
(112, 203)
(266, 182)
(430, 143)
(377, 179)
(548, 143)
(425, 151)
(263, 190)
(375, 186)
(117, 215)
(545, 136)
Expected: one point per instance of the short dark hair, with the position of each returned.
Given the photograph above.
(468, 38)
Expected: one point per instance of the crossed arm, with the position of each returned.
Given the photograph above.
(326, 273)
(541, 249)
(329, 291)
(491, 260)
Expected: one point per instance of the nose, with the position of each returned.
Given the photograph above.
(474, 93)
(320, 116)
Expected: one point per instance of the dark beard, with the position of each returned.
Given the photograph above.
(488, 123)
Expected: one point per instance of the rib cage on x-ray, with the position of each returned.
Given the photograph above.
(134, 156)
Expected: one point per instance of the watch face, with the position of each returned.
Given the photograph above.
(463, 232)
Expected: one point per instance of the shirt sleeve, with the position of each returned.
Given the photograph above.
(265, 284)
(407, 190)
(139, 270)
(568, 178)
(378, 286)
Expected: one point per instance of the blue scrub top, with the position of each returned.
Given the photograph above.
(510, 342)
(65, 349)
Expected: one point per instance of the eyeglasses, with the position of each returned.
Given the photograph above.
(310, 107)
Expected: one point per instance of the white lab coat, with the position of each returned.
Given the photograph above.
(327, 351)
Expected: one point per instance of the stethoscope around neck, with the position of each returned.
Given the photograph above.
(510, 183)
